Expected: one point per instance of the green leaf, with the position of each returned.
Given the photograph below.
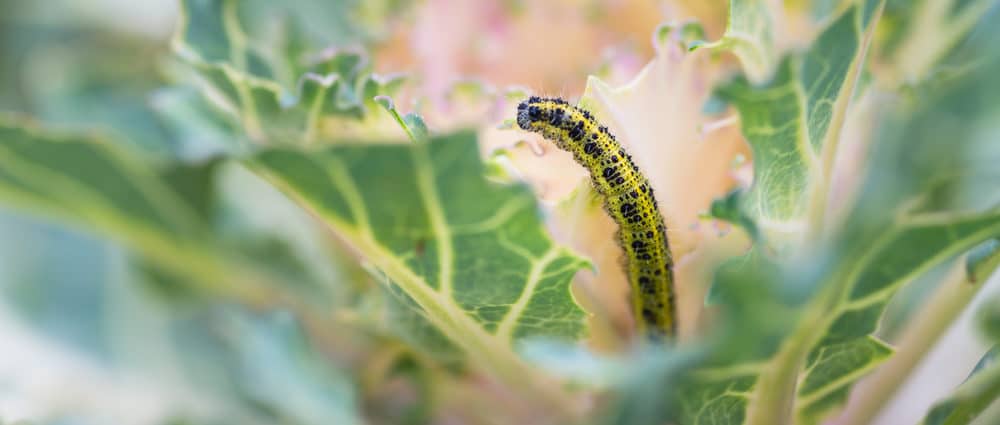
(898, 230)
(846, 350)
(262, 367)
(921, 33)
(280, 90)
(717, 401)
(100, 187)
(471, 254)
(983, 260)
(55, 286)
(113, 72)
(989, 319)
(408, 321)
(979, 391)
(923, 213)
(730, 208)
(900, 252)
(412, 123)
(164, 214)
(908, 249)
(831, 367)
(160, 211)
(793, 122)
(750, 36)
(198, 129)
(275, 360)
(657, 386)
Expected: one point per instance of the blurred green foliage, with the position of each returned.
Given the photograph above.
(218, 217)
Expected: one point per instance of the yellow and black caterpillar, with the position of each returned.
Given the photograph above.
(628, 198)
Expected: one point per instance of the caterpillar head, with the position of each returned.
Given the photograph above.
(529, 112)
(536, 113)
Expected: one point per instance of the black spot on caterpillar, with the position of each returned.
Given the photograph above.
(628, 199)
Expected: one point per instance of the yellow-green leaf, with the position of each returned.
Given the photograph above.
(750, 36)
(793, 123)
(280, 90)
(470, 254)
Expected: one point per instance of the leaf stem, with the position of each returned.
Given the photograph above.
(487, 353)
(774, 398)
(819, 204)
(920, 336)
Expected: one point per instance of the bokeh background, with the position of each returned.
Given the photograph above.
(88, 335)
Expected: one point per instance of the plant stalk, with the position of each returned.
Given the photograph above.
(922, 334)
(774, 398)
(819, 199)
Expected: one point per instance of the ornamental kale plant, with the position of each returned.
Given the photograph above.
(306, 212)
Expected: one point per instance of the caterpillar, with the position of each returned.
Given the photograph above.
(628, 199)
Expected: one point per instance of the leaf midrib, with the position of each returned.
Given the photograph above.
(482, 348)
(436, 218)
